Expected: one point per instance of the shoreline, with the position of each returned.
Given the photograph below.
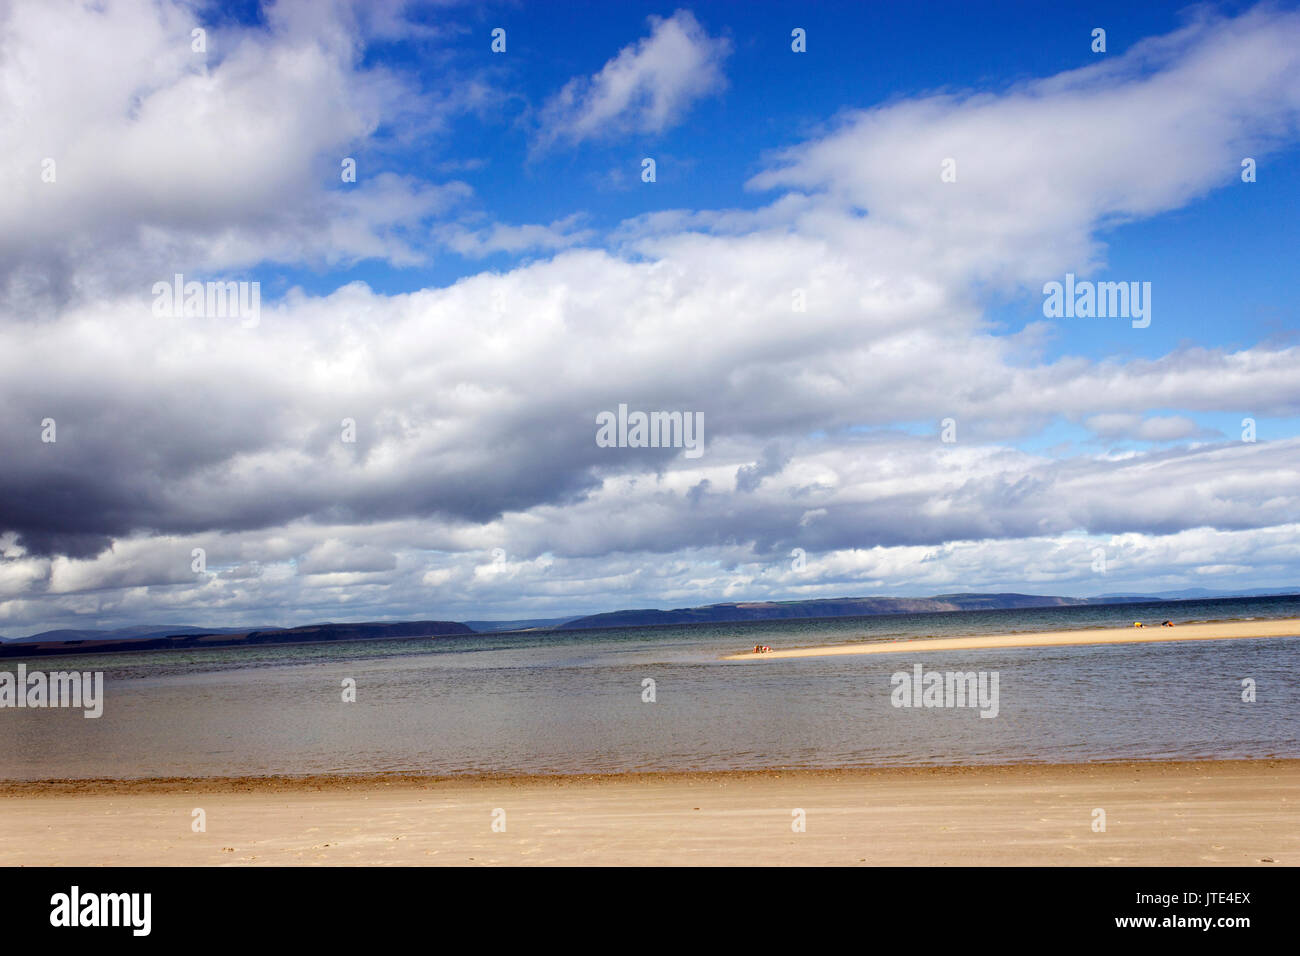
(1176, 813)
(344, 782)
(1149, 634)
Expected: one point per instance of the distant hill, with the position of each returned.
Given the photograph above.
(126, 633)
(1191, 594)
(824, 607)
(488, 627)
(162, 636)
(309, 633)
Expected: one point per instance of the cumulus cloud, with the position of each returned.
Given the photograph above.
(1154, 428)
(1041, 166)
(646, 88)
(749, 477)
(500, 237)
(474, 403)
(139, 155)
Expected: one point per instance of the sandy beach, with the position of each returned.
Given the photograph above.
(1150, 634)
(1189, 813)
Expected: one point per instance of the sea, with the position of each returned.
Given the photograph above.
(661, 699)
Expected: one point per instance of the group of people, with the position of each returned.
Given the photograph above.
(1163, 624)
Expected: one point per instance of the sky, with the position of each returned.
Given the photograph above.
(455, 260)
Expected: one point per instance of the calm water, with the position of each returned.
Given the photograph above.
(571, 701)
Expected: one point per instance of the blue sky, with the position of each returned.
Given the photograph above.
(862, 55)
(1228, 287)
(498, 275)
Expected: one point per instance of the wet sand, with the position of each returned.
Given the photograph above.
(1187, 813)
(1150, 634)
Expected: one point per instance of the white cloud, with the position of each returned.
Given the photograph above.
(1154, 428)
(499, 237)
(1042, 165)
(167, 159)
(646, 88)
(475, 403)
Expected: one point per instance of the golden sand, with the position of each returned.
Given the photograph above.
(1150, 634)
(1237, 813)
